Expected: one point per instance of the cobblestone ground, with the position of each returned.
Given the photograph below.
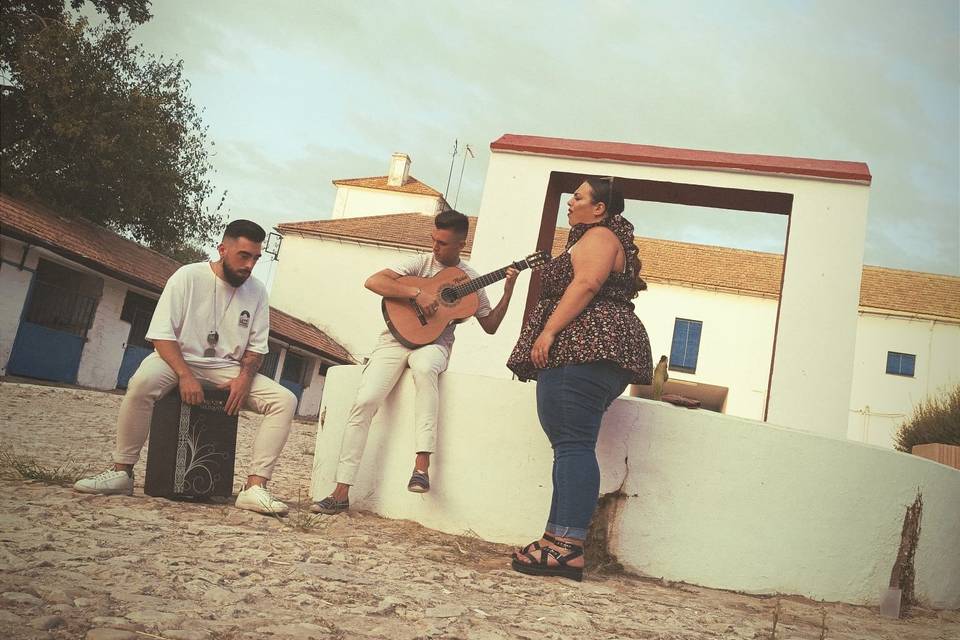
(107, 568)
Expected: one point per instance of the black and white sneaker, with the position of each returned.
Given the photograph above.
(419, 482)
(330, 506)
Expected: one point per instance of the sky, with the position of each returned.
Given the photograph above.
(302, 93)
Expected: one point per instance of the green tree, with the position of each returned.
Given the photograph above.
(93, 126)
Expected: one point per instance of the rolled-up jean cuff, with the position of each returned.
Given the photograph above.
(566, 532)
(125, 459)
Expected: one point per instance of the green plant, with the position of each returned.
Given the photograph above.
(18, 466)
(935, 419)
(300, 518)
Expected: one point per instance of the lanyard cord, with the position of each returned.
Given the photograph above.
(225, 309)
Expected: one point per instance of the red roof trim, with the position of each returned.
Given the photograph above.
(668, 156)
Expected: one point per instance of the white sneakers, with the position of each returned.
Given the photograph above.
(258, 499)
(107, 483)
(111, 482)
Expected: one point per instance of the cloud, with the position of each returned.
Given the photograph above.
(316, 91)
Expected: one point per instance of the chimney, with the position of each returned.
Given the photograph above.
(399, 170)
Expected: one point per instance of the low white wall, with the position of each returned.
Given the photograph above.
(106, 339)
(313, 392)
(14, 286)
(709, 499)
(312, 397)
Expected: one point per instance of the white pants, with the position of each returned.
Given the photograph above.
(381, 374)
(155, 378)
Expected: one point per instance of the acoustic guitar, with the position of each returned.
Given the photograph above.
(456, 296)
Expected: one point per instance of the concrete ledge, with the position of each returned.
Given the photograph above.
(707, 499)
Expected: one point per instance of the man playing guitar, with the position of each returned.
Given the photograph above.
(390, 357)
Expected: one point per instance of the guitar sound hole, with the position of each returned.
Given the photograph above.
(448, 295)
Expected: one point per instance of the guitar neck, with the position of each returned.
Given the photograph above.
(482, 281)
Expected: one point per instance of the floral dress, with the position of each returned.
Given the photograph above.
(606, 329)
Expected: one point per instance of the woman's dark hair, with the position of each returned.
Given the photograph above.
(451, 219)
(245, 229)
(608, 193)
(605, 191)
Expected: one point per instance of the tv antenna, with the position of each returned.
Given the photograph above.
(450, 175)
(469, 152)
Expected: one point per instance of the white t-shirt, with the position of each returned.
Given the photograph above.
(188, 311)
(425, 265)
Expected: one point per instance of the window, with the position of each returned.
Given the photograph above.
(686, 345)
(901, 364)
(294, 367)
(138, 311)
(269, 365)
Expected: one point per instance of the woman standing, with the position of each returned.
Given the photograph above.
(583, 344)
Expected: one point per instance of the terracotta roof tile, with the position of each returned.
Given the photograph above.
(103, 250)
(87, 243)
(733, 270)
(305, 335)
(412, 185)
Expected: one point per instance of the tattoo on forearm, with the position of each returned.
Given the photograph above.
(250, 363)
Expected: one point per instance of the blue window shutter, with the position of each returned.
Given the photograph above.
(693, 344)
(901, 364)
(907, 364)
(679, 346)
(893, 362)
(685, 346)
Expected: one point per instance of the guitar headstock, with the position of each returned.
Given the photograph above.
(534, 261)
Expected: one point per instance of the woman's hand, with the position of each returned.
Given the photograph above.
(541, 349)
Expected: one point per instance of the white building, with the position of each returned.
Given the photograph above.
(397, 191)
(712, 310)
(781, 503)
(76, 300)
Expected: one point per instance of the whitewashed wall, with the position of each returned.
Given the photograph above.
(313, 394)
(106, 339)
(357, 202)
(879, 401)
(818, 311)
(14, 286)
(735, 349)
(708, 499)
(735, 346)
(321, 282)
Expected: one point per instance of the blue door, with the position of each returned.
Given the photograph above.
(132, 357)
(46, 354)
(52, 332)
(138, 311)
(294, 369)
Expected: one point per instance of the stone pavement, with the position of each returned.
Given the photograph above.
(113, 568)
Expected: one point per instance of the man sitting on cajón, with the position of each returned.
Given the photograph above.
(211, 325)
(390, 358)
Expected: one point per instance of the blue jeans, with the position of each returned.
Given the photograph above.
(571, 401)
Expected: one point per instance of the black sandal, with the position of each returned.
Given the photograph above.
(540, 567)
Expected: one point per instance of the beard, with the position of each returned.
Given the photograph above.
(235, 278)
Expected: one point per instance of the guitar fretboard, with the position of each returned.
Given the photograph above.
(482, 281)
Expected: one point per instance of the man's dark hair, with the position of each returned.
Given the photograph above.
(244, 229)
(451, 219)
